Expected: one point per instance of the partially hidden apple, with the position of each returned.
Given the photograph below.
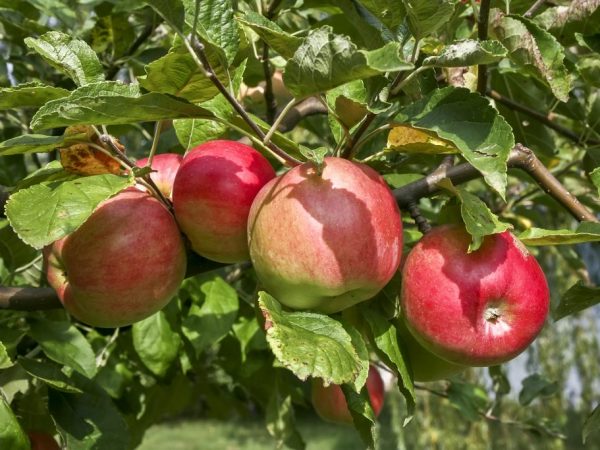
(124, 263)
(40, 440)
(325, 239)
(165, 166)
(425, 366)
(477, 309)
(213, 190)
(329, 401)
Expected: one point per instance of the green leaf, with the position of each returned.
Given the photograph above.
(193, 132)
(36, 143)
(585, 232)
(591, 42)
(589, 69)
(71, 56)
(534, 50)
(385, 336)
(12, 435)
(536, 386)
(468, 399)
(425, 17)
(216, 25)
(281, 422)
(468, 121)
(156, 342)
(316, 155)
(50, 373)
(283, 43)
(389, 12)
(478, 219)
(469, 52)
(13, 251)
(177, 74)
(65, 344)
(362, 351)
(46, 212)
(310, 344)
(595, 176)
(29, 95)
(363, 416)
(5, 361)
(88, 421)
(212, 314)
(79, 109)
(326, 60)
(582, 16)
(592, 424)
(170, 10)
(577, 298)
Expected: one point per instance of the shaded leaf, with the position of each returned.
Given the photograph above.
(310, 344)
(577, 298)
(592, 424)
(64, 343)
(425, 17)
(46, 212)
(536, 386)
(50, 373)
(468, 399)
(88, 421)
(595, 176)
(170, 10)
(212, 314)
(469, 52)
(35, 143)
(582, 16)
(69, 55)
(363, 416)
(281, 423)
(156, 342)
(471, 124)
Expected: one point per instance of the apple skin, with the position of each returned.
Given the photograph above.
(122, 265)
(166, 166)
(325, 241)
(42, 441)
(213, 190)
(477, 309)
(329, 401)
(425, 366)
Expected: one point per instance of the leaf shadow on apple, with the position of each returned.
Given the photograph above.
(328, 240)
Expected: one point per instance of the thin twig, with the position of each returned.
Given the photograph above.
(540, 117)
(198, 49)
(482, 34)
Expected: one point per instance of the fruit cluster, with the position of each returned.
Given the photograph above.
(322, 237)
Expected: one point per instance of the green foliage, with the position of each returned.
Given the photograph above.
(224, 349)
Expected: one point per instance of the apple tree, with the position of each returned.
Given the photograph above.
(256, 208)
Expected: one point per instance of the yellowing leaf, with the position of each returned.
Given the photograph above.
(408, 139)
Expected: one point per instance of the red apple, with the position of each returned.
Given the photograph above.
(425, 366)
(328, 240)
(214, 188)
(122, 265)
(165, 166)
(41, 440)
(478, 309)
(330, 403)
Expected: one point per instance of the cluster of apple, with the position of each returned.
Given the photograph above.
(322, 237)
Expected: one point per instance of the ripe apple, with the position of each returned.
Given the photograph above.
(165, 166)
(330, 403)
(213, 190)
(425, 365)
(122, 265)
(41, 440)
(325, 239)
(477, 309)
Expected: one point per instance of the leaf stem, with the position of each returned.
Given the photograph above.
(277, 122)
(157, 132)
(531, 11)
